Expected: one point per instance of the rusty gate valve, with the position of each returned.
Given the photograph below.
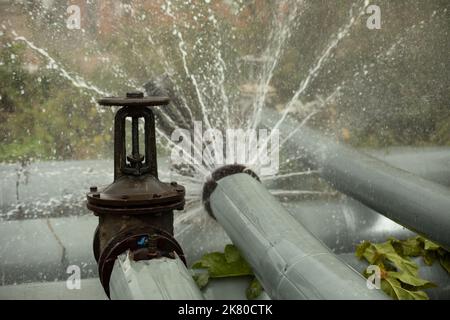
(135, 211)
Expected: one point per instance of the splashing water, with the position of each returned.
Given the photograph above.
(76, 80)
(203, 74)
(278, 38)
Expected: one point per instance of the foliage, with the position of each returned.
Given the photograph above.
(230, 263)
(399, 274)
(43, 116)
(254, 289)
(393, 82)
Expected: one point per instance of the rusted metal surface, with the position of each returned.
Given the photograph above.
(141, 192)
(134, 163)
(134, 99)
(218, 174)
(135, 211)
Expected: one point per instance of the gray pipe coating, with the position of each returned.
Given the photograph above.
(288, 260)
(415, 203)
(156, 279)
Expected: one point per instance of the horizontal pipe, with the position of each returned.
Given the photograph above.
(416, 203)
(155, 279)
(288, 260)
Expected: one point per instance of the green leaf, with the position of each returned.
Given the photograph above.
(385, 248)
(198, 265)
(403, 263)
(218, 266)
(227, 264)
(201, 279)
(411, 280)
(371, 254)
(429, 245)
(361, 249)
(388, 287)
(254, 289)
(377, 253)
(232, 253)
(393, 288)
(400, 275)
(411, 247)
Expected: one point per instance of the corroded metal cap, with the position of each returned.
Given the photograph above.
(134, 99)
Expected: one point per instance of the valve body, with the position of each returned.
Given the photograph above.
(135, 211)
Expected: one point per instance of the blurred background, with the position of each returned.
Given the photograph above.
(390, 86)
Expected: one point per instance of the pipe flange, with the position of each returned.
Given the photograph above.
(211, 184)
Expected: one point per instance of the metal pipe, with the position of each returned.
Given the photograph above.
(156, 279)
(288, 260)
(416, 203)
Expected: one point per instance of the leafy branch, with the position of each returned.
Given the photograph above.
(399, 274)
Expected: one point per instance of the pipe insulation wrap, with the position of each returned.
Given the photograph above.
(416, 203)
(288, 260)
(155, 279)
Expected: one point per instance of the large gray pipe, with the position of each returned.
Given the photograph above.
(288, 260)
(418, 204)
